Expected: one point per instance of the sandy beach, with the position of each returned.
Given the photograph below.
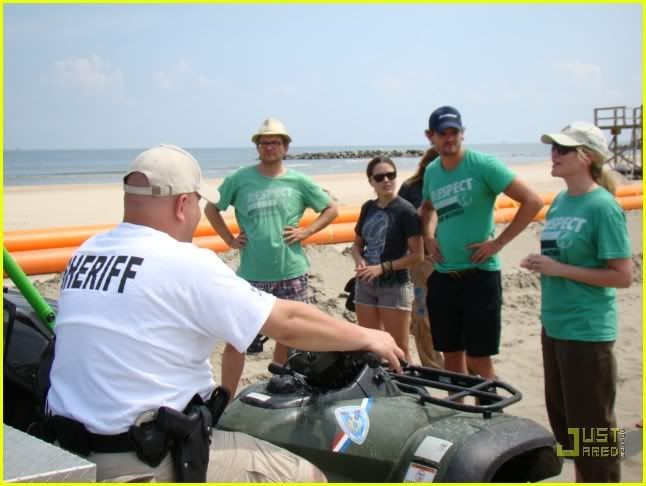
(27, 207)
(519, 361)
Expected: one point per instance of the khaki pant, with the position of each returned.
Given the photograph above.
(235, 457)
(580, 390)
(420, 325)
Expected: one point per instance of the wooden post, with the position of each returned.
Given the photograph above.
(614, 119)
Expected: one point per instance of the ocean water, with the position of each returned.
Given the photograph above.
(33, 167)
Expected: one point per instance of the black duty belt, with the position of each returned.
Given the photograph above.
(110, 443)
(73, 435)
(186, 434)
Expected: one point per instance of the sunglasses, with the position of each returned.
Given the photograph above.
(561, 150)
(380, 177)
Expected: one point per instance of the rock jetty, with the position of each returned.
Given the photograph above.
(354, 154)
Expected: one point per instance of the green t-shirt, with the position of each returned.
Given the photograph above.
(464, 199)
(263, 207)
(584, 231)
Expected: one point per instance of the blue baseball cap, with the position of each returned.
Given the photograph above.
(443, 118)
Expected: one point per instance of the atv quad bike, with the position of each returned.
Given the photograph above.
(342, 411)
(359, 422)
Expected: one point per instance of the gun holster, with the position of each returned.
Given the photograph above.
(217, 403)
(190, 432)
(151, 443)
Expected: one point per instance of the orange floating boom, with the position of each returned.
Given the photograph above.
(505, 215)
(547, 197)
(35, 262)
(45, 238)
(54, 259)
(334, 233)
(346, 214)
(36, 239)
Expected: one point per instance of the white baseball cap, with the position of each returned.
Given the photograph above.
(170, 171)
(271, 126)
(580, 134)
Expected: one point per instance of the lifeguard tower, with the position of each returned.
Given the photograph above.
(627, 156)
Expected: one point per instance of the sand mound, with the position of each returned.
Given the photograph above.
(638, 261)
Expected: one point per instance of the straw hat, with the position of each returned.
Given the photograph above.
(271, 126)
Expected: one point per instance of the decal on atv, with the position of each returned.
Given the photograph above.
(259, 396)
(418, 473)
(433, 448)
(354, 423)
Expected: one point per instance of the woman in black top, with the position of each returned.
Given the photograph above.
(411, 190)
(388, 240)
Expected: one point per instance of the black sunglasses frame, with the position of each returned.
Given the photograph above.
(562, 149)
(380, 177)
(274, 143)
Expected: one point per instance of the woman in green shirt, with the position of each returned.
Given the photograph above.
(585, 256)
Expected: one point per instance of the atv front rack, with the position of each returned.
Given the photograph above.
(416, 380)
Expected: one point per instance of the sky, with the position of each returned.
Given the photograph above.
(207, 75)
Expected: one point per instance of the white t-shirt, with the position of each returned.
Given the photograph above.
(139, 315)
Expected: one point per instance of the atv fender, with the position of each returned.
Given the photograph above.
(505, 449)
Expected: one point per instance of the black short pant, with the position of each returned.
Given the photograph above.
(464, 308)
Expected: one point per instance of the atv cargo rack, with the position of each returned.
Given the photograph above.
(416, 380)
(354, 374)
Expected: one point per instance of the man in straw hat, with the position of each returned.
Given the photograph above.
(269, 201)
(140, 312)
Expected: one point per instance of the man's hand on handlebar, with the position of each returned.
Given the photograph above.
(383, 344)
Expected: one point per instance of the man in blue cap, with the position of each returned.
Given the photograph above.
(464, 292)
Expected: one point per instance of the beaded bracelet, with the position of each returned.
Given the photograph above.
(387, 267)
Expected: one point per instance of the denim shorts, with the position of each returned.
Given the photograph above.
(396, 297)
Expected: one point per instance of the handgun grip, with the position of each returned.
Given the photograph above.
(177, 423)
